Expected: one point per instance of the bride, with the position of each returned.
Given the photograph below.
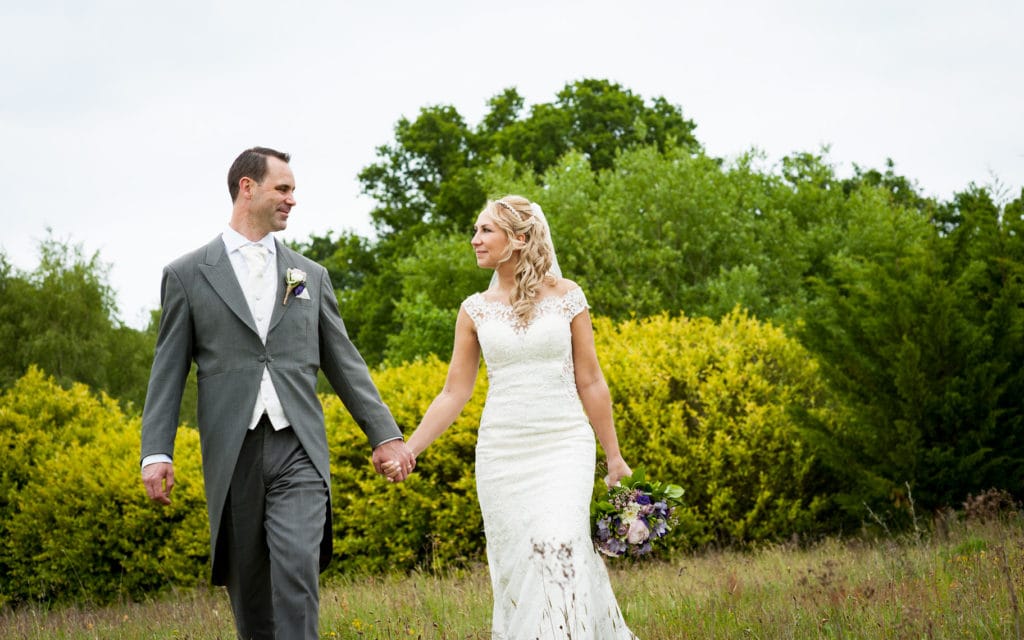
(535, 453)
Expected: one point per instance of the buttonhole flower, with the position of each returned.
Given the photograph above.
(295, 281)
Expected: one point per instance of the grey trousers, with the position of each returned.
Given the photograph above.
(274, 522)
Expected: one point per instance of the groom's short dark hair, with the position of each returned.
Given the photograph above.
(251, 163)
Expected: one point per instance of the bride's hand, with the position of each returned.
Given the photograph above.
(392, 471)
(617, 469)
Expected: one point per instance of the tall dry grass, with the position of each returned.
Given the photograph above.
(964, 582)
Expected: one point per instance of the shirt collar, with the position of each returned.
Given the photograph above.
(233, 240)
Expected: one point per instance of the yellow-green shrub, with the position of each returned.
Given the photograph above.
(431, 519)
(74, 519)
(706, 405)
(710, 406)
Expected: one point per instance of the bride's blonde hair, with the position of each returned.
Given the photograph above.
(514, 215)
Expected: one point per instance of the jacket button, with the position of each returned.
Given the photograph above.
(263, 358)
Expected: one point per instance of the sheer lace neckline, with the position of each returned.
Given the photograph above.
(566, 305)
(482, 296)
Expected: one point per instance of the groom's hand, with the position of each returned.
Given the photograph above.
(159, 480)
(394, 453)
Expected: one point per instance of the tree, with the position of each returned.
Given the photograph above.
(921, 333)
(62, 318)
(432, 178)
(429, 175)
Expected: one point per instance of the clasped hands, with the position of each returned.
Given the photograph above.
(394, 460)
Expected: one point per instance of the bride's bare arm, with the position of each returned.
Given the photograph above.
(594, 394)
(458, 387)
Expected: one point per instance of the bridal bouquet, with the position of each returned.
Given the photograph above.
(633, 514)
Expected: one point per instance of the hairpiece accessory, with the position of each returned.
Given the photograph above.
(508, 206)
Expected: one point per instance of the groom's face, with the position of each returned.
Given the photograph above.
(273, 198)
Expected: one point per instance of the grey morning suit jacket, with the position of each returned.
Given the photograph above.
(205, 317)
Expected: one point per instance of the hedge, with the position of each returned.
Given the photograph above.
(710, 406)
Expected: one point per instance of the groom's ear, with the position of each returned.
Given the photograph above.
(245, 186)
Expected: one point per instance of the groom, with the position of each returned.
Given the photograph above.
(259, 320)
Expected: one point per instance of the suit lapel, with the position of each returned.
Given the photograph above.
(284, 262)
(221, 275)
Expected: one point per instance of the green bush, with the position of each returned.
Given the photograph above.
(430, 520)
(75, 523)
(710, 406)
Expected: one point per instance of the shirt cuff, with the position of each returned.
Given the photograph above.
(156, 457)
(389, 440)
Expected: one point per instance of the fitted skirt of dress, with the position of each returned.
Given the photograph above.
(534, 482)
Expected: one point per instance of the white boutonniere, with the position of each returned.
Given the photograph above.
(295, 281)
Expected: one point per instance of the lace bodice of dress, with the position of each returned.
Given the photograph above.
(535, 359)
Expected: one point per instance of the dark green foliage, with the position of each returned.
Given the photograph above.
(920, 327)
(430, 174)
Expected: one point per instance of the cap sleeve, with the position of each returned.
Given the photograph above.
(474, 306)
(574, 303)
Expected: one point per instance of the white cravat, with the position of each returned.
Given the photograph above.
(255, 286)
(260, 289)
(256, 261)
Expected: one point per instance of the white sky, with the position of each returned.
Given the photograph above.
(118, 120)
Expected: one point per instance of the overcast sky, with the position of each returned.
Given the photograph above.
(118, 120)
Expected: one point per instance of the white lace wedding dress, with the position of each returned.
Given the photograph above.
(535, 460)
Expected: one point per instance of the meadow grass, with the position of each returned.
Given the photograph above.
(964, 583)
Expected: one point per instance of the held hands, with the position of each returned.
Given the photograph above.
(394, 460)
(393, 472)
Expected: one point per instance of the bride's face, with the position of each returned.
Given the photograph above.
(489, 242)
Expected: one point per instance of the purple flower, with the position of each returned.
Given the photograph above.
(658, 528)
(613, 547)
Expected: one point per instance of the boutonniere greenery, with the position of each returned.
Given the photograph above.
(295, 281)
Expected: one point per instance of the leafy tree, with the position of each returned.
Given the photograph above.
(62, 317)
(430, 174)
(597, 118)
(349, 259)
(432, 178)
(417, 178)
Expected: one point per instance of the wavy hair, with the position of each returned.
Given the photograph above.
(514, 215)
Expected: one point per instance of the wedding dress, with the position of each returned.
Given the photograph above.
(535, 460)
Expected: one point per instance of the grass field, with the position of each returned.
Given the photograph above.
(965, 583)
